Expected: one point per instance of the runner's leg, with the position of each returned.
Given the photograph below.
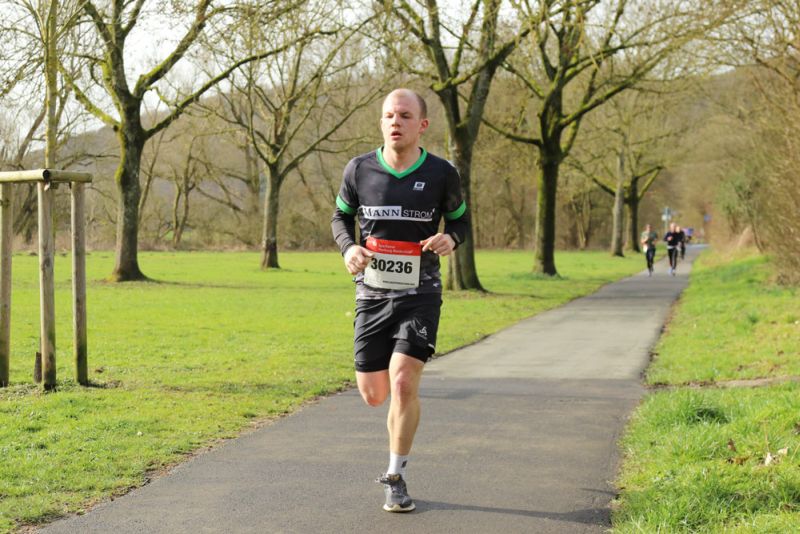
(405, 373)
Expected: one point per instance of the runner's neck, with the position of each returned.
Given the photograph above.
(400, 161)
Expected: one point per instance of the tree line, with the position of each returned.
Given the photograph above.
(551, 110)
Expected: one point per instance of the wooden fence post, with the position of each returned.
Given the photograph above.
(46, 286)
(79, 284)
(6, 236)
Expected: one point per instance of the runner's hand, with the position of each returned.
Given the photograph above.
(357, 258)
(441, 244)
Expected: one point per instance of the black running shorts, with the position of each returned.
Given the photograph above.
(404, 324)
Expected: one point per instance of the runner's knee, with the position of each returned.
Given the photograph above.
(373, 398)
(405, 387)
(374, 387)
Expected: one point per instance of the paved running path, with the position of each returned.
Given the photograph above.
(519, 434)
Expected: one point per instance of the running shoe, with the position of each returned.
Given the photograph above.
(397, 499)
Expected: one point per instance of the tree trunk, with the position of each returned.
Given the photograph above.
(269, 241)
(185, 212)
(148, 182)
(586, 220)
(132, 139)
(47, 234)
(176, 225)
(253, 193)
(25, 212)
(544, 256)
(461, 269)
(578, 206)
(632, 202)
(618, 213)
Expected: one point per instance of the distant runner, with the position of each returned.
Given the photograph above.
(689, 233)
(681, 241)
(648, 240)
(673, 241)
(400, 194)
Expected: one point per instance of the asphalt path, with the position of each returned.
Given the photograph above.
(518, 434)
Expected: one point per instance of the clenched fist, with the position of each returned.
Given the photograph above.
(356, 259)
(441, 244)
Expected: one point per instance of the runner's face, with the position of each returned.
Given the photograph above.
(401, 123)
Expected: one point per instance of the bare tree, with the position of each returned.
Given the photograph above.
(765, 181)
(187, 174)
(582, 55)
(112, 24)
(459, 59)
(293, 103)
(579, 197)
(626, 147)
(25, 35)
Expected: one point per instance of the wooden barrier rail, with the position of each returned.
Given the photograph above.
(45, 178)
(44, 175)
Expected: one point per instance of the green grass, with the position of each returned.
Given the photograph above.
(210, 348)
(696, 460)
(680, 475)
(733, 323)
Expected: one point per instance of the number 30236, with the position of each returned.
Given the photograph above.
(391, 266)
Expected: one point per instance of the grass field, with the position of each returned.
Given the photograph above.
(733, 324)
(209, 348)
(719, 459)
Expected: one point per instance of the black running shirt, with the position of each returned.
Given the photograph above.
(399, 206)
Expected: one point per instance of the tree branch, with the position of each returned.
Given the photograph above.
(201, 17)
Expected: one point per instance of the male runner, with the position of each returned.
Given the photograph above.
(672, 239)
(681, 241)
(400, 193)
(648, 240)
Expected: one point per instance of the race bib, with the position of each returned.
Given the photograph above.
(395, 264)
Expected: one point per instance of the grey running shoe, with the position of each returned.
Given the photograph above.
(397, 499)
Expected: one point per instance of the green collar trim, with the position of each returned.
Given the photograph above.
(404, 173)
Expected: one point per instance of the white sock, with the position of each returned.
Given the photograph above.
(397, 464)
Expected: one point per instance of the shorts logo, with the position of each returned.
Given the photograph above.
(419, 186)
(423, 332)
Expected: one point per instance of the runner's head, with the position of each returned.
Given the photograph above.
(403, 120)
(647, 227)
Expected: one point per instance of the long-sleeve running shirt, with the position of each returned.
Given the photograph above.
(402, 206)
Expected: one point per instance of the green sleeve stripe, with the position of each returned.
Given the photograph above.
(458, 212)
(342, 205)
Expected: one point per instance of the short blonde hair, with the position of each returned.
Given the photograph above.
(423, 106)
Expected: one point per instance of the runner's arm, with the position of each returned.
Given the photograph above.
(343, 227)
(343, 222)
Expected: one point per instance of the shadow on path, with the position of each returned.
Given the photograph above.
(590, 516)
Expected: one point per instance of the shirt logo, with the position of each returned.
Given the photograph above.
(396, 213)
(419, 186)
